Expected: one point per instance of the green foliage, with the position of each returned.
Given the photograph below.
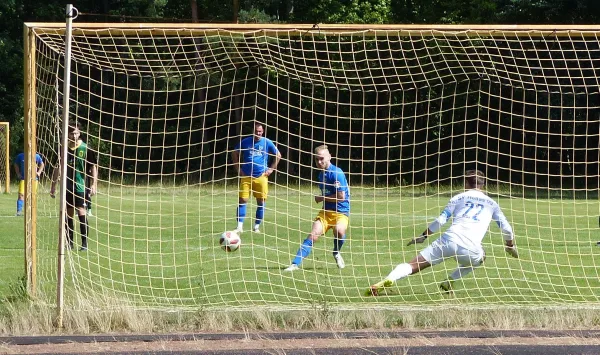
(549, 11)
(339, 11)
(255, 15)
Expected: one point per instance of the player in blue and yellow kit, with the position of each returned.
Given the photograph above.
(255, 158)
(19, 165)
(335, 195)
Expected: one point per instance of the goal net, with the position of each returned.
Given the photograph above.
(405, 111)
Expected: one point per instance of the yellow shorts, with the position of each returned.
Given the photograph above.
(330, 219)
(259, 186)
(22, 187)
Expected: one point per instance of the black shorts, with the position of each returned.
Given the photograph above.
(75, 199)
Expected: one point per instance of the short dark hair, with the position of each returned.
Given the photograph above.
(74, 124)
(475, 178)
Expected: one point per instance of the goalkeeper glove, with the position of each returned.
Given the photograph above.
(417, 240)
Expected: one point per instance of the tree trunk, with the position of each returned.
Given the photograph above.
(194, 6)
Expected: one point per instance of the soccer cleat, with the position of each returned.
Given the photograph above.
(292, 267)
(256, 229)
(238, 231)
(374, 289)
(83, 249)
(339, 261)
(89, 213)
(446, 287)
(19, 213)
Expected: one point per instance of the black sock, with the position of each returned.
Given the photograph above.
(83, 228)
(69, 227)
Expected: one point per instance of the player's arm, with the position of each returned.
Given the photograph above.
(507, 232)
(55, 178)
(274, 164)
(40, 168)
(94, 172)
(235, 155)
(92, 168)
(435, 225)
(17, 171)
(334, 197)
(339, 194)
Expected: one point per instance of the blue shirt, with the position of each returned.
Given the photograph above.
(20, 161)
(331, 181)
(254, 156)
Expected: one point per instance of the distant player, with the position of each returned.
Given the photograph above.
(19, 166)
(255, 158)
(335, 195)
(471, 212)
(80, 159)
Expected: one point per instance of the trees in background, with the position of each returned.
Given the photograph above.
(13, 13)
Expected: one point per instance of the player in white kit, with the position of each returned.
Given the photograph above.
(471, 212)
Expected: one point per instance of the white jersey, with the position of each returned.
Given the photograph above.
(471, 212)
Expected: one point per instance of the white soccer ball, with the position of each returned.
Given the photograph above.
(230, 241)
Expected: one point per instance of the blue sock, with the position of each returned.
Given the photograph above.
(260, 212)
(20, 204)
(303, 252)
(337, 244)
(241, 212)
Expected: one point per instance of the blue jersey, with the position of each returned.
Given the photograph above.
(254, 156)
(331, 181)
(20, 161)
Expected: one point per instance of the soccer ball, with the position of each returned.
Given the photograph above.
(230, 241)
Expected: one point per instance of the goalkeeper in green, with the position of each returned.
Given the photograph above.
(80, 159)
(471, 212)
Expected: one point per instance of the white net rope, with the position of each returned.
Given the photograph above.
(404, 113)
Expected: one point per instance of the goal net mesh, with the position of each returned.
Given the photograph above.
(404, 113)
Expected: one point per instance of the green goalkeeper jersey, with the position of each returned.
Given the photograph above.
(79, 160)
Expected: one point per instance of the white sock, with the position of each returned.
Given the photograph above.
(240, 225)
(400, 272)
(256, 226)
(460, 272)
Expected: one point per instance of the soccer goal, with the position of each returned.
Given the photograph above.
(5, 157)
(405, 110)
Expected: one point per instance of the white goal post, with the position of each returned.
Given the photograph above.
(405, 110)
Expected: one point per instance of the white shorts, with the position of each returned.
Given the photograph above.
(444, 248)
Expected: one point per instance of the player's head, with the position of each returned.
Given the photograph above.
(259, 131)
(474, 179)
(322, 157)
(74, 131)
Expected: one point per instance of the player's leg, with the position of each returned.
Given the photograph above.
(70, 201)
(82, 214)
(432, 255)
(21, 198)
(260, 187)
(401, 271)
(318, 228)
(339, 238)
(88, 198)
(467, 261)
(244, 194)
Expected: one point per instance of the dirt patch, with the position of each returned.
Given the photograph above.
(286, 344)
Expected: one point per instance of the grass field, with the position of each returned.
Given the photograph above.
(158, 248)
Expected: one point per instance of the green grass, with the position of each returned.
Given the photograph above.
(158, 247)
